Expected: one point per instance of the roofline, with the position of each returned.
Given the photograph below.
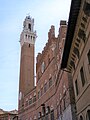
(73, 15)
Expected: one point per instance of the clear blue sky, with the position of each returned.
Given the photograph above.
(12, 15)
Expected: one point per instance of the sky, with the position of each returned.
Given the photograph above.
(12, 15)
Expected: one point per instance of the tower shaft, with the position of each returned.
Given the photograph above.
(27, 68)
(27, 41)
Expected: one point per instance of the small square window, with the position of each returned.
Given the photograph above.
(39, 94)
(45, 87)
(76, 86)
(29, 45)
(82, 76)
(34, 98)
(50, 82)
(30, 101)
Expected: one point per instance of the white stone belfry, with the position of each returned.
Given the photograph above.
(28, 34)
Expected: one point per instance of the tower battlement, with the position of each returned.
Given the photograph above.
(28, 23)
(28, 34)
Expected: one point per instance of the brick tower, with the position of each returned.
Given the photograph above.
(27, 41)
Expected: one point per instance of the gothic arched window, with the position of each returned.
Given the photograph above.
(29, 27)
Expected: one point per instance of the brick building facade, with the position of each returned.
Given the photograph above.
(76, 57)
(52, 98)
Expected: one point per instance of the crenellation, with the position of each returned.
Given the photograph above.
(51, 38)
(62, 29)
(51, 33)
(38, 57)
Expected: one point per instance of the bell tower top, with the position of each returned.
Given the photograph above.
(28, 34)
(28, 24)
